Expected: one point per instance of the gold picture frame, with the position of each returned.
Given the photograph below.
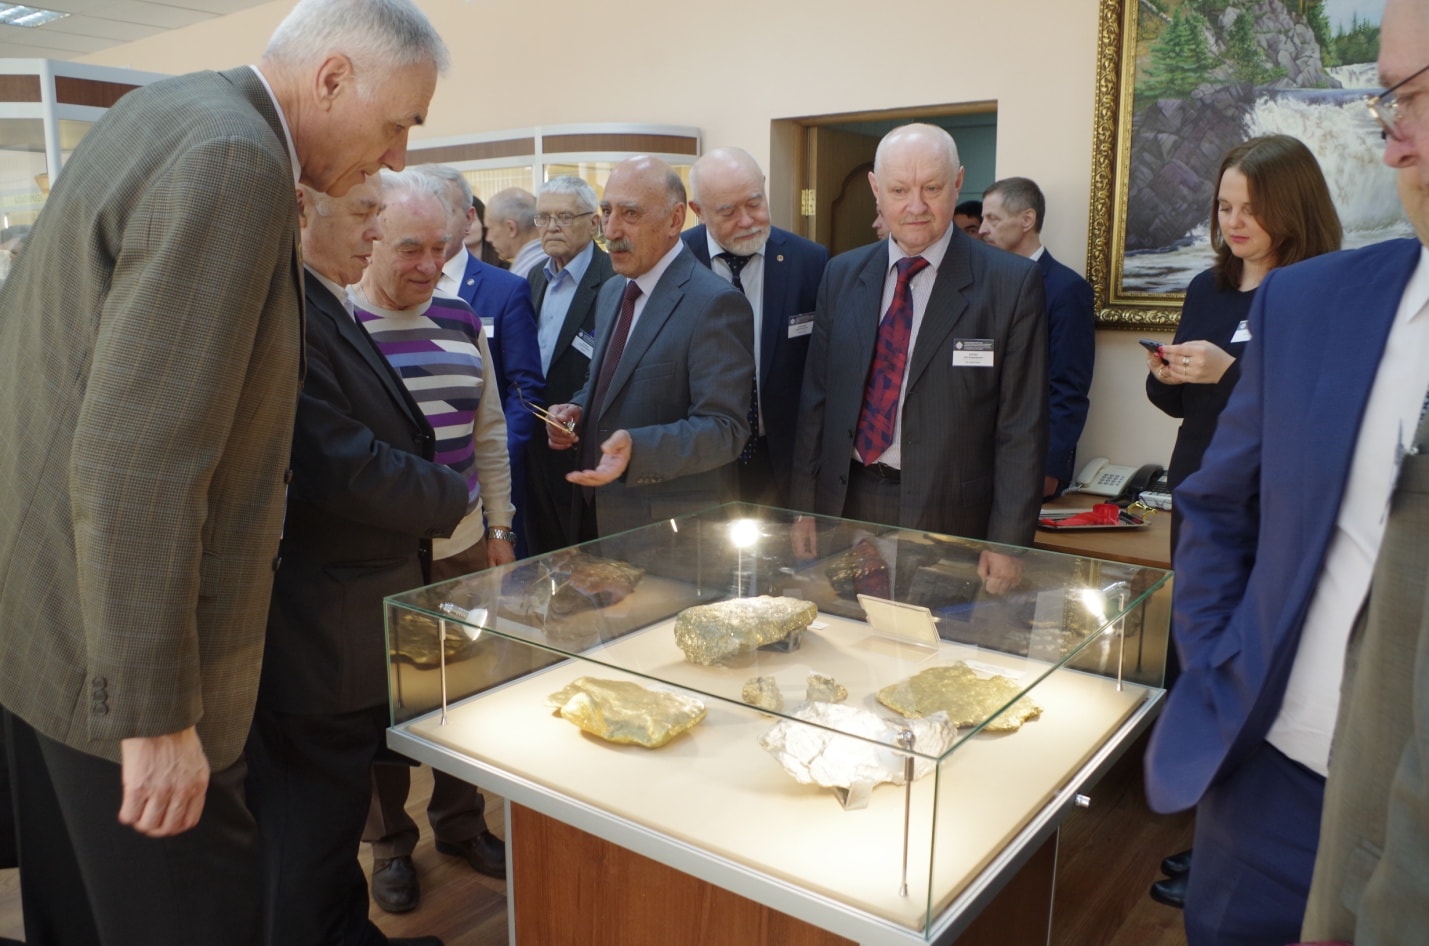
(1111, 150)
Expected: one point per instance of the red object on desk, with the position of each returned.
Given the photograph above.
(1102, 514)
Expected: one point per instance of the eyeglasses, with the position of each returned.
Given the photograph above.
(561, 220)
(1385, 106)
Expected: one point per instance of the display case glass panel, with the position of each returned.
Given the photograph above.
(1036, 682)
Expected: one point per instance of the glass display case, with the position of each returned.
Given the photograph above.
(819, 681)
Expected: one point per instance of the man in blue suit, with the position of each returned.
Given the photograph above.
(1283, 526)
(1012, 213)
(779, 274)
(504, 303)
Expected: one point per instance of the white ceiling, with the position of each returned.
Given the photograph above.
(93, 25)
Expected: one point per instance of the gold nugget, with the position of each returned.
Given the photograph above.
(626, 713)
(731, 630)
(966, 697)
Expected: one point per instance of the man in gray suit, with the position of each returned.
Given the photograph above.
(925, 396)
(663, 414)
(1371, 875)
(150, 357)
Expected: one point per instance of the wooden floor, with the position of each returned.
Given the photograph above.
(1107, 859)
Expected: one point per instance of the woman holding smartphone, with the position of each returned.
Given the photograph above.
(1272, 208)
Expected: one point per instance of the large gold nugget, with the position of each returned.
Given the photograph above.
(727, 630)
(626, 713)
(967, 698)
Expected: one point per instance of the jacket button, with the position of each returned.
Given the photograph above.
(843, 479)
(287, 476)
(277, 560)
(99, 683)
(99, 708)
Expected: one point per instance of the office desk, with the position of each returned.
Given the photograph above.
(1150, 546)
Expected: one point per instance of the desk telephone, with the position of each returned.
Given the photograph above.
(1099, 477)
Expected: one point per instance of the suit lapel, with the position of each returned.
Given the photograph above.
(776, 286)
(866, 305)
(349, 333)
(945, 306)
(662, 304)
(581, 301)
(470, 282)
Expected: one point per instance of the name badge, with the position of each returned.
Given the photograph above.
(488, 328)
(801, 325)
(1242, 332)
(973, 353)
(584, 342)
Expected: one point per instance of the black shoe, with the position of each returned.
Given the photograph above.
(394, 885)
(416, 941)
(1172, 891)
(1176, 864)
(486, 853)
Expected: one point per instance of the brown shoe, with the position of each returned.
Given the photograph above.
(394, 884)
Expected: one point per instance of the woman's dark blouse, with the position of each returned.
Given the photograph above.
(1213, 315)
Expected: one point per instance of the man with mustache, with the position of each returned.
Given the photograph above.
(663, 414)
(779, 274)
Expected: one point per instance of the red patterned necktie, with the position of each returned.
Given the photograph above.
(590, 442)
(879, 413)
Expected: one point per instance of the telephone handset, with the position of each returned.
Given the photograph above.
(1100, 477)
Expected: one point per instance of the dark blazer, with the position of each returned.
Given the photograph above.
(548, 494)
(1259, 513)
(150, 356)
(793, 268)
(974, 438)
(1071, 355)
(681, 390)
(365, 502)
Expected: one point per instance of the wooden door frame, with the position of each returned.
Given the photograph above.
(789, 150)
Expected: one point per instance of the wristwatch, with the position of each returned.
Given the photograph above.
(501, 533)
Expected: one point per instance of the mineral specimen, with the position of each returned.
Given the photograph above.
(726, 631)
(820, 756)
(825, 689)
(566, 583)
(860, 570)
(626, 713)
(967, 698)
(415, 636)
(762, 692)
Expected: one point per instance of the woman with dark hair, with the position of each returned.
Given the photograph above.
(476, 243)
(1272, 208)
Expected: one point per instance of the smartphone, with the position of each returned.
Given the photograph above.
(1154, 347)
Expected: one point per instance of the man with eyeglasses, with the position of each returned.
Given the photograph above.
(564, 292)
(1300, 590)
(663, 414)
(779, 274)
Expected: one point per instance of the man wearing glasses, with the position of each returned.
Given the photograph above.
(1300, 590)
(564, 291)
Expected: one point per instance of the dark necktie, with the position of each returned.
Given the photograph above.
(736, 264)
(590, 443)
(877, 417)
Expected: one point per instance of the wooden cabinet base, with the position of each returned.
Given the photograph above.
(570, 888)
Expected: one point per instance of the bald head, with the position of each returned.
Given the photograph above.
(727, 194)
(916, 178)
(643, 211)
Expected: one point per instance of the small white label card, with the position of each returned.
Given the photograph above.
(584, 342)
(973, 353)
(801, 325)
(1242, 332)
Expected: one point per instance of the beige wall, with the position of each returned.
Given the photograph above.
(1035, 58)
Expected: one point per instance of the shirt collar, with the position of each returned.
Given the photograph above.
(576, 267)
(647, 281)
(933, 253)
(456, 266)
(283, 120)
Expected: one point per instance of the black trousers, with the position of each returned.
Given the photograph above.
(309, 785)
(87, 880)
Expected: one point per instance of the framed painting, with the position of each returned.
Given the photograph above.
(1181, 82)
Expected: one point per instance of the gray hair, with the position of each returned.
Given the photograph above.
(413, 183)
(929, 133)
(513, 204)
(450, 177)
(379, 36)
(570, 184)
